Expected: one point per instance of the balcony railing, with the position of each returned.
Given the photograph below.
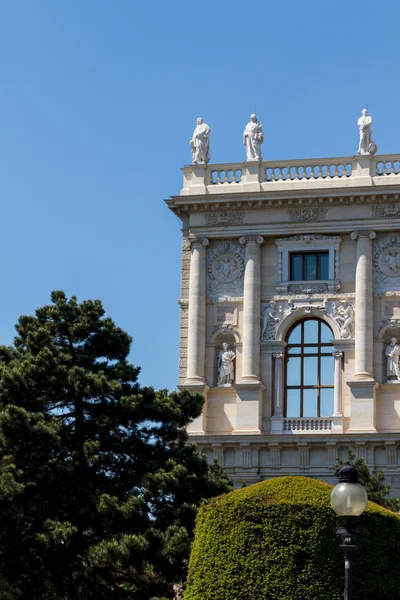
(308, 425)
(344, 172)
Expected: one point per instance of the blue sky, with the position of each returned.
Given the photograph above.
(98, 101)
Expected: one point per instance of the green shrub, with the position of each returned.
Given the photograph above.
(276, 540)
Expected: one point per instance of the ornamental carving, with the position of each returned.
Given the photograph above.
(343, 313)
(306, 289)
(224, 218)
(387, 263)
(307, 237)
(271, 315)
(225, 328)
(317, 213)
(386, 210)
(225, 267)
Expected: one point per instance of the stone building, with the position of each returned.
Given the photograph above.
(295, 265)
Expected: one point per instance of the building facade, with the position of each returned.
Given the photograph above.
(290, 313)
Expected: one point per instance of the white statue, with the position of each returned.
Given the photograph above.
(200, 143)
(253, 137)
(344, 315)
(367, 145)
(225, 365)
(393, 352)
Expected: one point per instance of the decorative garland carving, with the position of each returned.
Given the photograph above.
(224, 218)
(306, 214)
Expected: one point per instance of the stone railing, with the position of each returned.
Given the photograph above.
(307, 174)
(307, 425)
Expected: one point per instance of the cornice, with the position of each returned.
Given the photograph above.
(184, 205)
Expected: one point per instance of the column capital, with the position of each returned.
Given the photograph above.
(337, 354)
(363, 233)
(251, 238)
(278, 355)
(203, 241)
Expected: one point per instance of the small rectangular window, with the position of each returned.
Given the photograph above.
(309, 266)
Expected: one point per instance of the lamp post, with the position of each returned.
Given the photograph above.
(349, 500)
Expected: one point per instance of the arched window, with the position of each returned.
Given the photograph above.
(309, 370)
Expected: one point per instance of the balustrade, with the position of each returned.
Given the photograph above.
(227, 175)
(307, 171)
(294, 174)
(388, 167)
(304, 424)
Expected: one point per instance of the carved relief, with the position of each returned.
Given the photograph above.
(225, 314)
(225, 267)
(308, 289)
(271, 315)
(224, 218)
(343, 313)
(387, 263)
(386, 210)
(317, 213)
(225, 328)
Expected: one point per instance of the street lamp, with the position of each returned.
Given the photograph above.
(349, 500)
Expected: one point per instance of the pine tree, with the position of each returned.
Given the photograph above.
(376, 490)
(99, 486)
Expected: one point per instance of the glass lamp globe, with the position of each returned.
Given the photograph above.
(348, 498)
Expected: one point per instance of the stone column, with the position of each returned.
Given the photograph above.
(279, 384)
(251, 310)
(337, 390)
(197, 313)
(364, 305)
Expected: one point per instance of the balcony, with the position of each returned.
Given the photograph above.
(305, 175)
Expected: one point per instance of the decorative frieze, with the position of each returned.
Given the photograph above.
(224, 218)
(306, 214)
(385, 210)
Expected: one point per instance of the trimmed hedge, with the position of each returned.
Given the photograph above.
(275, 540)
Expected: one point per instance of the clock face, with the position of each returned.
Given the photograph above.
(226, 268)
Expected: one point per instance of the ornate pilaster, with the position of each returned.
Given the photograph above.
(251, 310)
(197, 313)
(364, 305)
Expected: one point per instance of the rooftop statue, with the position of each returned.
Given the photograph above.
(253, 137)
(200, 143)
(367, 146)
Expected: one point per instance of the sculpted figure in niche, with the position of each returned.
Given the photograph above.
(253, 137)
(200, 143)
(225, 365)
(367, 145)
(392, 353)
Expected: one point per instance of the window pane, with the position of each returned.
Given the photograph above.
(327, 370)
(295, 336)
(326, 335)
(295, 350)
(323, 260)
(296, 267)
(293, 403)
(293, 371)
(311, 266)
(326, 402)
(310, 349)
(311, 332)
(310, 372)
(310, 403)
